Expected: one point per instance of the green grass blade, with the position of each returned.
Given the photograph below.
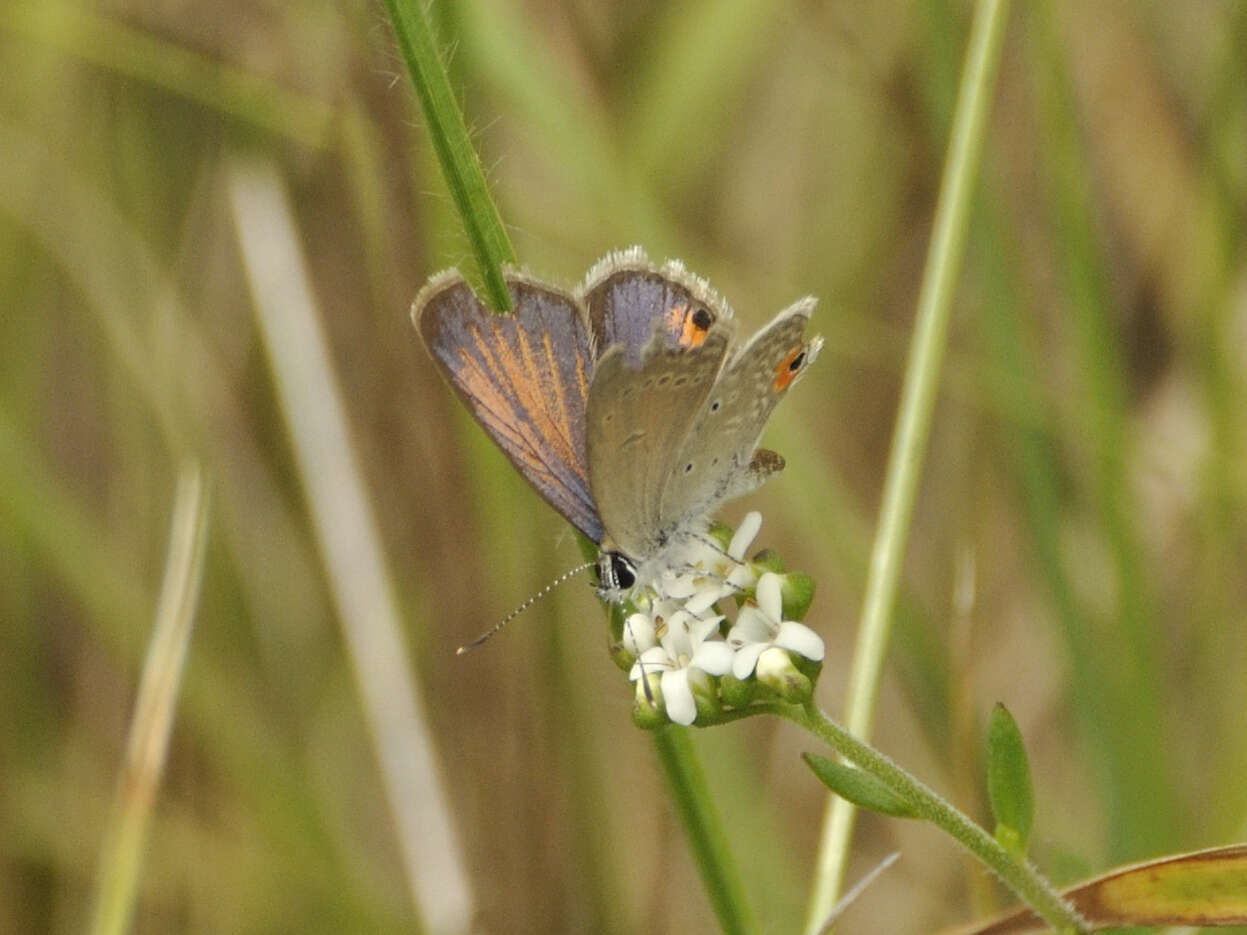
(913, 423)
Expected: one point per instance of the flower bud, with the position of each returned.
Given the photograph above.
(648, 710)
(776, 671)
(705, 695)
(798, 594)
(737, 693)
(768, 560)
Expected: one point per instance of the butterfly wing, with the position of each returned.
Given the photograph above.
(638, 416)
(717, 460)
(628, 299)
(525, 378)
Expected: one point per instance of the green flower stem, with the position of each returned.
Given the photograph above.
(460, 164)
(1016, 873)
(692, 798)
(918, 398)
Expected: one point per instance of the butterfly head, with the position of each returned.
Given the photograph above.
(617, 575)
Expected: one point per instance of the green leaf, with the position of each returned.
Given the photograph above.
(858, 787)
(1009, 782)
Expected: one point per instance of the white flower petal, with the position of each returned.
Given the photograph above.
(742, 577)
(714, 657)
(650, 668)
(679, 587)
(801, 640)
(713, 594)
(663, 609)
(655, 658)
(680, 620)
(702, 601)
(677, 694)
(752, 626)
(675, 637)
(773, 664)
(638, 633)
(745, 533)
(702, 629)
(770, 595)
(746, 659)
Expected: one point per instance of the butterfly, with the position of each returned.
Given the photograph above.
(626, 403)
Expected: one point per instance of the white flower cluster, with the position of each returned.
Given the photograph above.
(676, 634)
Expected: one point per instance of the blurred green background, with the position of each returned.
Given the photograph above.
(1078, 545)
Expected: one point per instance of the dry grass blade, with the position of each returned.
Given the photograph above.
(153, 712)
(349, 543)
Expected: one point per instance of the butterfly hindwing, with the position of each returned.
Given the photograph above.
(717, 460)
(628, 299)
(524, 376)
(638, 415)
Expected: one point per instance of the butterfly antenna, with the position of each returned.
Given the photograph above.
(466, 647)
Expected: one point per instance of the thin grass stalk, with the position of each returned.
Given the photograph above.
(349, 542)
(461, 166)
(691, 796)
(148, 743)
(918, 399)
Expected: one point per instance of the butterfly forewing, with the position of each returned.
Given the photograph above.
(525, 378)
(638, 416)
(717, 458)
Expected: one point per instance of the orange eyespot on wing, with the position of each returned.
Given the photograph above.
(688, 324)
(789, 369)
(631, 301)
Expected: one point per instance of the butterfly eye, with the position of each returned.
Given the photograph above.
(702, 319)
(622, 571)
